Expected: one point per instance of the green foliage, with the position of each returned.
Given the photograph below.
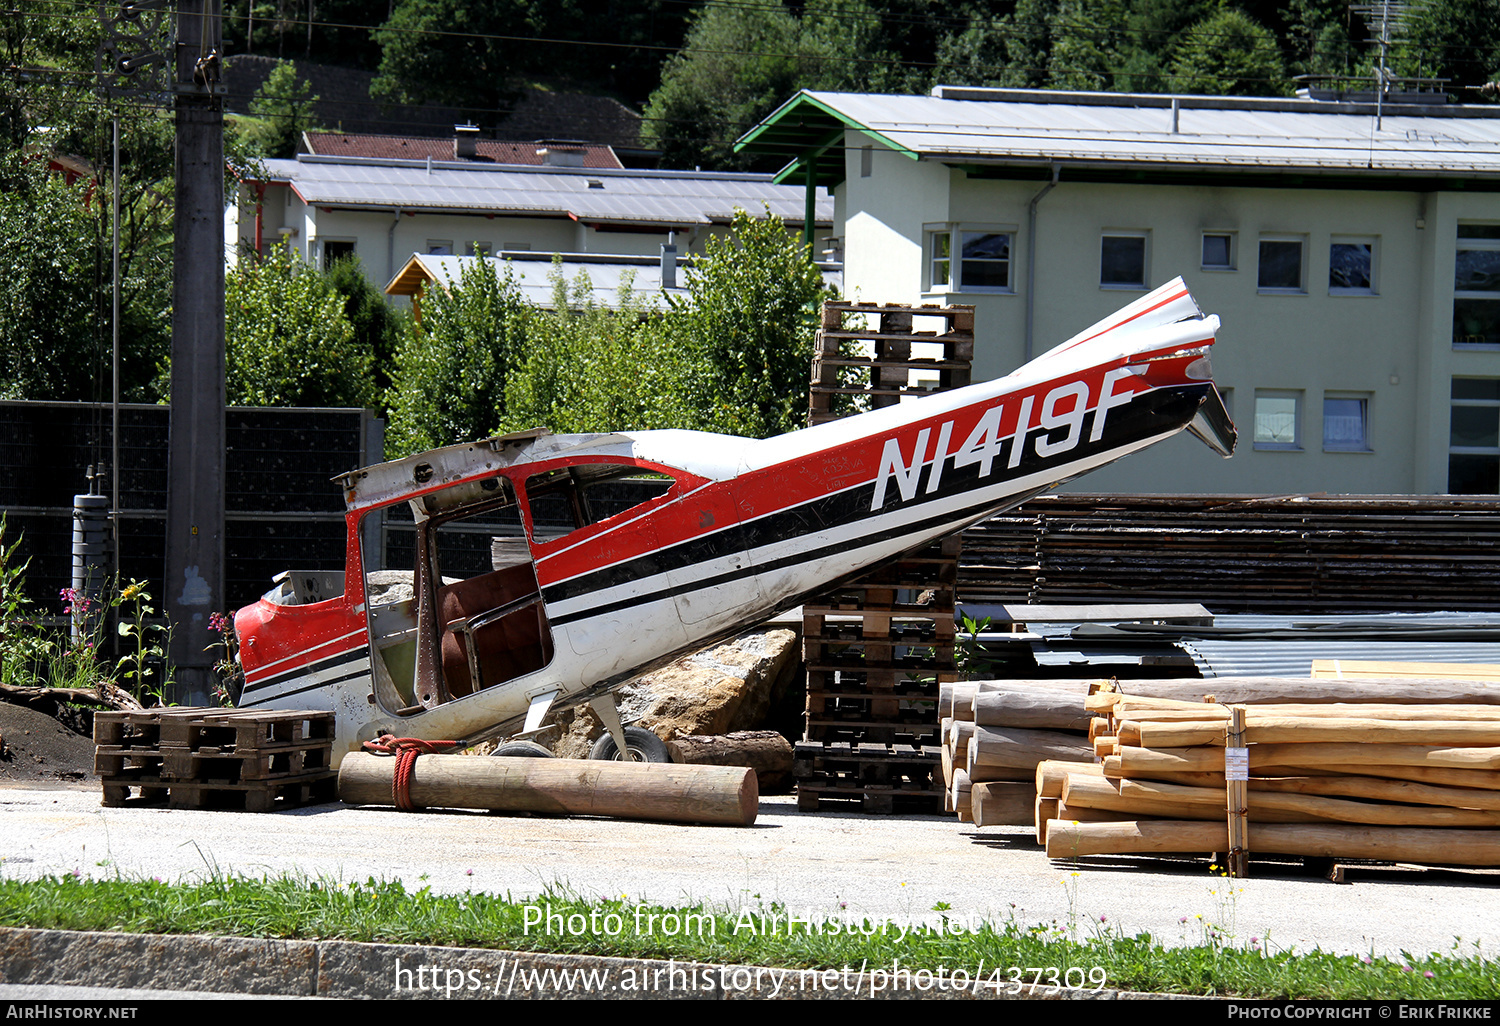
(1228, 54)
(453, 51)
(50, 345)
(746, 330)
(280, 112)
(452, 368)
(287, 339)
(24, 644)
(741, 61)
(593, 369)
(378, 326)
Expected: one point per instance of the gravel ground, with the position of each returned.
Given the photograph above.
(893, 869)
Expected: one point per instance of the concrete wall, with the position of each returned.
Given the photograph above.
(1392, 347)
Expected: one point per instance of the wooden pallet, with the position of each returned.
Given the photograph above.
(869, 351)
(880, 779)
(254, 760)
(877, 647)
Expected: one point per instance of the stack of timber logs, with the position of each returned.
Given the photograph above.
(1386, 769)
(878, 648)
(1284, 554)
(996, 733)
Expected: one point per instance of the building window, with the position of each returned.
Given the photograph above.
(1351, 267)
(1122, 261)
(1278, 419)
(335, 249)
(1218, 251)
(440, 247)
(483, 249)
(1346, 423)
(1476, 286)
(981, 263)
(1474, 437)
(1280, 267)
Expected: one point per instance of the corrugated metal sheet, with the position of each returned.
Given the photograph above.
(631, 197)
(1275, 646)
(1206, 135)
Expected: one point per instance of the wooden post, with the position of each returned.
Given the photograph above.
(1236, 781)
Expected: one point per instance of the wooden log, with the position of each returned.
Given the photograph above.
(1022, 748)
(960, 796)
(1053, 773)
(1406, 791)
(1264, 690)
(1003, 804)
(1066, 839)
(993, 774)
(1271, 730)
(1273, 803)
(1184, 712)
(1098, 792)
(1370, 669)
(664, 792)
(1136, 761)
(1043, 710)
(1046, 809)
(766, 752)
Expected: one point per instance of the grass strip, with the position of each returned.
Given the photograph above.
(387, 912)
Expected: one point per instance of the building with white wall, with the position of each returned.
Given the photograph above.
(1353, 253)
(383, 210)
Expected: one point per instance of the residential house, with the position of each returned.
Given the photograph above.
(1351, 248)
(384, 209)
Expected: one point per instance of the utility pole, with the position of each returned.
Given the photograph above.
(195, 461)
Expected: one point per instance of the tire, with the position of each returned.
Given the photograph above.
(522, 750)
(643, 746)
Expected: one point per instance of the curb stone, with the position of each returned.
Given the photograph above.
(350, 969)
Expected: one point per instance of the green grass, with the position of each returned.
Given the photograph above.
(387, 912)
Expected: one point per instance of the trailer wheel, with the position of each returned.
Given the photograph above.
(522, 750)
(642, 746)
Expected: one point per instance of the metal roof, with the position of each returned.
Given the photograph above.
(533, 274)
(1028, 128)
(1257, 645)
(663, 199)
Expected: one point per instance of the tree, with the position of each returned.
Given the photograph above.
(378, 326)
(746, 330)
(50, 347)
(740, 61)
(280, 112)
(460, 52)
(1229, 54)
(452, 368)
(287, 340)
(594, 369)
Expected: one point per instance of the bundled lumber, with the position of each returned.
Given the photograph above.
(1386, 777)
(995, 733)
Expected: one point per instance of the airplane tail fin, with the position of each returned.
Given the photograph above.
(1212, 425)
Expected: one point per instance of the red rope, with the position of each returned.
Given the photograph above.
(406, 750)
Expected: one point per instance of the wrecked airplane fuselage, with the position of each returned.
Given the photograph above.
(583, 598)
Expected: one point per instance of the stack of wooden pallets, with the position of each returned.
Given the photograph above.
(215, 758)
(878, 647)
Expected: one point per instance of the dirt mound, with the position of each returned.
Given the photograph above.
(35, 746)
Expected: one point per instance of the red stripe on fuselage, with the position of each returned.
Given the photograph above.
(754, 494)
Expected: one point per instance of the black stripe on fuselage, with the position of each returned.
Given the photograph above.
(363, 652)
(1158, 411)
(351, 675)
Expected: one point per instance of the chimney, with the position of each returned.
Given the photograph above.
(465, 142)
(669, 262)
(559, 154)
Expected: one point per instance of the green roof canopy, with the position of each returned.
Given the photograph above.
(807, 131)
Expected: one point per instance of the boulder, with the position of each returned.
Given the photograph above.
(717, 690)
